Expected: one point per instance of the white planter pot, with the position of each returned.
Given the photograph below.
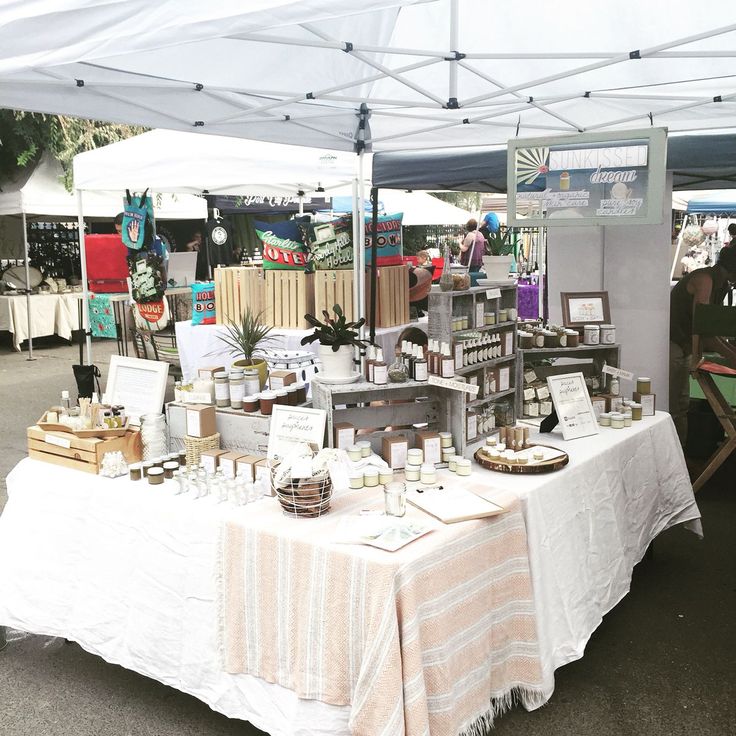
(337, 364)
(497, 267)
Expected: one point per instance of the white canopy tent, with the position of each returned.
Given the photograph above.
(175, 161)
(39, 193)
(389, 74)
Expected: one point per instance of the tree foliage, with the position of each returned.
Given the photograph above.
(25, 135)
(464, 200)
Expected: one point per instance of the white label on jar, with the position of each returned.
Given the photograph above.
(222, 391)
(251, 386)
(504, 375)
(592, 337)
(539, 340)
(459, 355)
(380, 375)
(237, 391)
(472, 426)
(420, 371)
(448, 367)
(608, 337)
(508, 343)
(480, 317)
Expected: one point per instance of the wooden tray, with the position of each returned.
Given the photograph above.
(99, 432)
(501, 466)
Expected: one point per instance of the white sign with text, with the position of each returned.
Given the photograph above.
(291, 426)
(573, 405)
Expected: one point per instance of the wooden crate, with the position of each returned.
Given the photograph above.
(289, 296)
(70, 451)
(392, 289)
(237, 289)
(333, 287)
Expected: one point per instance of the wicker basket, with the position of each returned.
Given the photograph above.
(195, 446)
(305, 498)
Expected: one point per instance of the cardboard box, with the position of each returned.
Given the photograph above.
(261, 470)
(431, 446)
(209, 371)
(247, 463)
(394, 451)
(599, 405)
(228, 461)
(211, 459)
(344, 435)
(648, 403)
(281, 379)
(613, 403)
(201, 420)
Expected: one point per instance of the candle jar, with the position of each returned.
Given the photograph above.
(503, 315)
(489, 318)
(356, 480)
(427, 474)
(282, 397)
(644, 385)
(452, 466)
(251, 381)
(604, 419)
(447, 453)
(608, 334)
(301, 393)
(463, 466)
(627, 418)
(466, 323)
(250, 404)
(526, 340)
(370, 477)
(222, 389)
(156, 476)
(572, 338)
(551, 340)
(266, 400)
(592, 335)
(636, 412)
(291, 395)
(385, 476)
(394, 497)
(445, 439)
(617, 420)
(236, 385)
(169, 467)
(146, 467)
(415, 456)
(354, 453)
(412, 472)
(365, 448)
(136, 471)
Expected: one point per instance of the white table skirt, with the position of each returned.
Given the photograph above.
(51, 314)
(200, 345)
(129, 572)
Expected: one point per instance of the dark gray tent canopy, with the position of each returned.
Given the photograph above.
(698, 162)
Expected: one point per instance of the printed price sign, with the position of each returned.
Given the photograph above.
(573, 406)
(469, 388)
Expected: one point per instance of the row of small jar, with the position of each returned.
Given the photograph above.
(241, 389)
(157, 469)
(264, 401)
(620, 419)
(489, 318)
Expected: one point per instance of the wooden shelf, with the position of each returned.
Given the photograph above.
(485, 328)
(485, 364)
(524, 352)
(493, 397)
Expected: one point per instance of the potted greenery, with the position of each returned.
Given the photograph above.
(337, 340)
(498, 265)
(247, 338)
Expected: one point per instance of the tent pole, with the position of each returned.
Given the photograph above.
(374, 259)
(357, 299)
(85, 283)
(28, 288)
(361, 233)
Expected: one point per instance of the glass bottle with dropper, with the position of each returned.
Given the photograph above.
(370, 359)
(420, 366)
(380, 369)
(447, 362)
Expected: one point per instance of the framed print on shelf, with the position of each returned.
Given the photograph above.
(580, 308)
(138, 385)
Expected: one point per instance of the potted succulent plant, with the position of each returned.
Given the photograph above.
(498, 265)
(337, 340)
(247, 338)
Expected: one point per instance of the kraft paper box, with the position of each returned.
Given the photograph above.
(431, 447)
(344, 435)
(599, 405)
(261, 471)
(648, 403)
(281, 379)
(228, 463)
(613, 403)
(395, 451)
(209, 371)
(201, 420)
(211, 459)
(247, 463)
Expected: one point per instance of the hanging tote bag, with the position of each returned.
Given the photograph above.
(137, 221)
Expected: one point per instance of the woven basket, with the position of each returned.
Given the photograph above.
(306, 498)
(196, 445)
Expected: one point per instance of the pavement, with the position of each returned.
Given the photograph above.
(662, 663)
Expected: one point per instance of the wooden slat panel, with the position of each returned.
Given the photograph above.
(71, 453)
(64, 461)
(219, 306)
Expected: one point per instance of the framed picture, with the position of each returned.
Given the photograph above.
(573, 405)
(580, 308)
(291, 426)
(138, 385)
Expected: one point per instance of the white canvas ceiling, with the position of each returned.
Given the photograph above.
(447, 72)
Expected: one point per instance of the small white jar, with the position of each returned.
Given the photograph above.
(427, 474)
(370, 477)
(463, 466)
(452, 467)
(365, 448)
(608, 334)
(592, 335)
(415, 457)
(604, 419)
(627, 418)
(501, 446)
(356, 480)
(385, 475)
(354, 453)
(412, 472)
(491, 441)
(447, 453)
(538, 454)
(617, 420)
(445, 439)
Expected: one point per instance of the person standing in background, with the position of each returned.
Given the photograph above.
(473, 246)
(490, 224)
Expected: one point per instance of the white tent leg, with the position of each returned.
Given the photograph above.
(85, 284)
(357, 298)
(361, 233)
(28, 288)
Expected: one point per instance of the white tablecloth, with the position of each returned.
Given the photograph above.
(51, 314)
(200, 345)
(129, 572)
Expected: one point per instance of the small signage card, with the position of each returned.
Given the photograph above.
(454, 385)
(618, 372)
(573, 405)
(295, 425)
